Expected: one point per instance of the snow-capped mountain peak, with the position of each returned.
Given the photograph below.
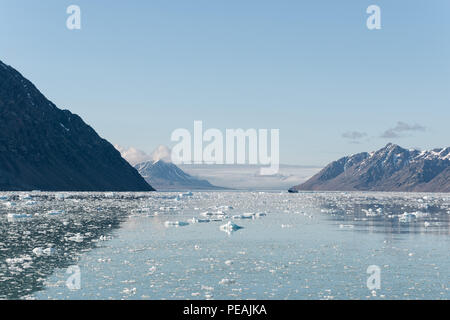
(167, 176)
(391, 168)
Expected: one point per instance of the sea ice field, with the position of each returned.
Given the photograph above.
(224, 245)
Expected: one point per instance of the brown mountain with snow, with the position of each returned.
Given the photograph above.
(391, 168)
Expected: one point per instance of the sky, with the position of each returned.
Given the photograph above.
(138, 70)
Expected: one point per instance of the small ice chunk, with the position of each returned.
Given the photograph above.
(244, 216)
(142, 210)
(207, 288)
(19, 260)
(26, 197)
(49, 251)
(346, 226)
(10, 204)
(129, 291)
(109, 195)
(220, 217)
(419, 214)
(176, 224)
(406, 217)
(197, 220)
(76, 238)
(60, 196)
(38, 251)
(228, 262)
(55, 212)
(18, 216)
(226, 281)
(370, 212)
(230, 227)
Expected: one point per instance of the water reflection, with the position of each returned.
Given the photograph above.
(388, 213)
(32, 248)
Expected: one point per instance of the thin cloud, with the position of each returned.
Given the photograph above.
(400, 129)
(354, 135)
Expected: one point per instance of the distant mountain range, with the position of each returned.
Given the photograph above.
(165, 175)
(248, 177)
(49, 149)
(227, 176)
(391, 168)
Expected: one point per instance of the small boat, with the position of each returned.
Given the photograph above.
(292, 190)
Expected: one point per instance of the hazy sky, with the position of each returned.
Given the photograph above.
(137, 70)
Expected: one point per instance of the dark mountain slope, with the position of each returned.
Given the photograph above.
(45, 148)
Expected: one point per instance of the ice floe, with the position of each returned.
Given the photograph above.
(226, 281)
(199, 220)
(230, 227)
(41, 252)
(18, 216)
(76, 238)
(406, 217)
(9, 204)
(176, 224)
(55, 212)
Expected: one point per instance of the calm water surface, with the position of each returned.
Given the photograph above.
(172, 246)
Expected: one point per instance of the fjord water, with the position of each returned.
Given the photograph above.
(172, 246)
